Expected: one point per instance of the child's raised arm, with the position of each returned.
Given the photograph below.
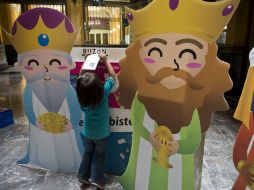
(109, 67)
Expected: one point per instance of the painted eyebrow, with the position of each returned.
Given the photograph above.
(189, 40)
(164, 42)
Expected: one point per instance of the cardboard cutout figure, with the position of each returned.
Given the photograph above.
(173, 81)
(243, 154)
(43, 38)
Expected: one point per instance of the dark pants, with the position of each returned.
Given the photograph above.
(97, 147)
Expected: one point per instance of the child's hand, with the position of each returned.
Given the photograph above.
(103, 57)
(87, 54)
(110, 69)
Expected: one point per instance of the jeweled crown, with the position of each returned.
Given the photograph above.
(41, 37)
(202, 19)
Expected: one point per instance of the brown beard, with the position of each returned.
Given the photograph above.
(181, 74)
(174, 108)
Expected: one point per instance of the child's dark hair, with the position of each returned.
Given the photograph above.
(89, 90)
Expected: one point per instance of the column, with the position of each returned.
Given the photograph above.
(74, 10)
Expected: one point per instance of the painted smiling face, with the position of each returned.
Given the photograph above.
(180, 52)
(49, 65)
(47, 71)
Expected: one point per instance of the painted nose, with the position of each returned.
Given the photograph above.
(47, 70)
(176, 66)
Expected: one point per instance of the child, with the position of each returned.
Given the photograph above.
(93, 98)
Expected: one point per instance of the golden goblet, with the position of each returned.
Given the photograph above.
(163, 135)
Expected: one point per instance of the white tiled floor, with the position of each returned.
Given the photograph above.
(218, 169)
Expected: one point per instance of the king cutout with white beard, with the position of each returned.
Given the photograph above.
(43, 39)
(48, 93)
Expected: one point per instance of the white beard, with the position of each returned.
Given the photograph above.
(56, 152)
(51, 95)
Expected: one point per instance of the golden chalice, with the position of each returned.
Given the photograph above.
(53, 122)
(163, 135)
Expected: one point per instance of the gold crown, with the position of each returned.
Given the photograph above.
(41, 37)
(205, 20)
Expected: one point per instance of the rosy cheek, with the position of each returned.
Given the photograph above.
(62, 67)
(28, 68)
(194, 65)
(149, 60)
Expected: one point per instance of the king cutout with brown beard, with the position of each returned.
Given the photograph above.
(177, 82)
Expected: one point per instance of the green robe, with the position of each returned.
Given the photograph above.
(158, 177)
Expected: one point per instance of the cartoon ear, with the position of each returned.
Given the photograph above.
(17, 66)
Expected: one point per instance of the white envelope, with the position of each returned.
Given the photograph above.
(91, 62)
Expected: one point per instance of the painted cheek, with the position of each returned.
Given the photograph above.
(149, 60)
(194, 65)
(62, 67)
(28, 68)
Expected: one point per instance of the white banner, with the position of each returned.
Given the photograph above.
(119, 120)
(114, 54)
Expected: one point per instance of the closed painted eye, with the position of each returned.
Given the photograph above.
(188, 51)
(155, 49)
(54, 61)
(33, 61)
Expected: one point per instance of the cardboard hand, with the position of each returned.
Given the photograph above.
(154, 141)
(173, 147)
(164, 149)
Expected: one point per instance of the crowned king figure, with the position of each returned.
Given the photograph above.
(43, 38)
(171, 77)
